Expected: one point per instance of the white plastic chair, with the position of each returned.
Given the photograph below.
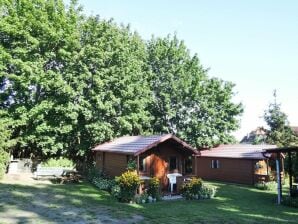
(173, 179)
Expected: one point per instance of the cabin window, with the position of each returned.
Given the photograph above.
(142, 164)
(214, 164)
(188, 165)
(98, 157)
(173, 162)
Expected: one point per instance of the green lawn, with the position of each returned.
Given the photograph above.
(82, 203)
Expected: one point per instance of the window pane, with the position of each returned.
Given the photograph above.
(173, 163)
(188, 165)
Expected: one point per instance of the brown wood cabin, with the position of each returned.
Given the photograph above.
(242, 163)
(156, 156)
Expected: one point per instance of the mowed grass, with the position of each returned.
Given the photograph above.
(82, 203)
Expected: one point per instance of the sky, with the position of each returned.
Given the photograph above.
(253, 44)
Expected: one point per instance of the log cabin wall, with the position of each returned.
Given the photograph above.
(229, 169)
(113, 164)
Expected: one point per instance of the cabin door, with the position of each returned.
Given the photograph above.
(159, 168)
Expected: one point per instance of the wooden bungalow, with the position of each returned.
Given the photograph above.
(156, 156)
(242, 163)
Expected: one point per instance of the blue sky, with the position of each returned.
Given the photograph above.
(252, 43)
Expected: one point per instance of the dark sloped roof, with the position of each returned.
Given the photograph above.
(283, 149)
(135, 145)
(241, 151)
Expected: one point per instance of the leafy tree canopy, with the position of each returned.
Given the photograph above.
(280, 132)
(186, 101)
(68, 82)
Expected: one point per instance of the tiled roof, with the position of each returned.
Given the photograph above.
(134, 145)
(242, 151)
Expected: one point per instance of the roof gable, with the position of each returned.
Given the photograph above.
(135, 145)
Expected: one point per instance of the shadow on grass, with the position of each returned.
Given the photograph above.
(60, 203)
(82, 203)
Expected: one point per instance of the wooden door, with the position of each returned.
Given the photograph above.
(159, 169)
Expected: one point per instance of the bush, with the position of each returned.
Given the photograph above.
(4, 160)
(206, 191)
(103, 184)
(128, 183)
(131, 165)
(116, 191)
(61, 162)
(190, 189)
(99, 179)
(153, 188)
(94, 172)
(266, 185)
(141, 198)
(291, 202)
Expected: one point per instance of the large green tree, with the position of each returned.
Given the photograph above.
(68, 81)
(39, 39)
(186, 101)
(280, 132)
(112, 90)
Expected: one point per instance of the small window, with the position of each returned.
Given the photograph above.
(98, 156)
(214, 164)
(173, 162)
(188, 165)
(142, 164)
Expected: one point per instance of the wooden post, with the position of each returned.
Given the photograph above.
(267, 166)
(103, 161)
(138, 164)
(195, 166)
(139, 190)
(290, 172)
(278, 179)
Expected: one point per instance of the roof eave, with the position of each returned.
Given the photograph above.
(163, 139)
(114, 151)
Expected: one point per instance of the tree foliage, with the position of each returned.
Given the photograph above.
(5, 143)
(280, 132)
(187, 102)
(69, 81)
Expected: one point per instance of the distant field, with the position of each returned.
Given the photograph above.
(43, 202)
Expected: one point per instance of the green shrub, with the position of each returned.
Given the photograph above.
(61, 162)
(131, 165)
(128, 183)
(103, 184)
(206, 191)
(272, 185)
(291, 202)
(4, 160)
(94, 172)
(190, 189)
(153, 188)
(141, 198)
(116, 191)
